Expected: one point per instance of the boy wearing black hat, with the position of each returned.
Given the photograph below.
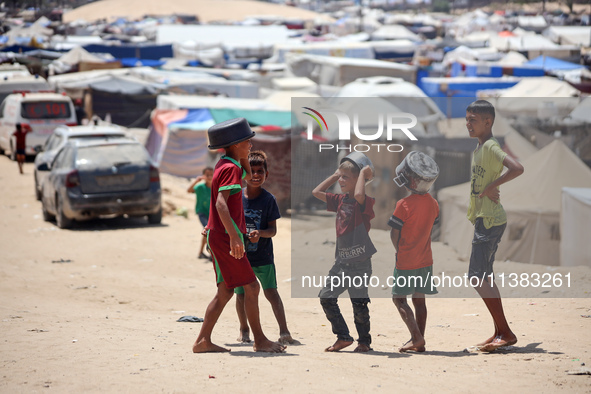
(225, 230)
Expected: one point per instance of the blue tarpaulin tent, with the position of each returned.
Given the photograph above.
(550, 63)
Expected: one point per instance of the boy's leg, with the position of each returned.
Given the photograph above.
(418, 301)
(360, 298)
(417, 342)
(203, 242)
(484, 247)
(20, 159)
(272, 295)
(267, 275)
(203, 343)
(251, 303)
(328, 299)
(244, 335)
(361, 316)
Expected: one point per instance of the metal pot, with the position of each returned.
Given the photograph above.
(360, 160)
(417, 172)
(228, 133)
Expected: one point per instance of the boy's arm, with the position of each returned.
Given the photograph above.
(320, 191)
(269, 232)
(246, 166)
(196, 181)
(236, 245)
(514, 169)
(395, 237)
(364, 175)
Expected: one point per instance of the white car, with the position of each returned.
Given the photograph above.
(42, 112)
(61, 135)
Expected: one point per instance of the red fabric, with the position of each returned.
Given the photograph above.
(226, 173)
(418, 212)
(21, 138)
(344, 224)
(235, 272)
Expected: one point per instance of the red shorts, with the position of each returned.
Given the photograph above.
(234, 272)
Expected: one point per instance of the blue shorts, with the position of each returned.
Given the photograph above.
(203, 218)
(21, 152)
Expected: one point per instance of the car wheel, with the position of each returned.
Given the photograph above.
(155, 218)
(46, 215)
(37, 191)
(61, 219)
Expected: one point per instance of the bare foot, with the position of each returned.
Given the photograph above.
(489, 340)
(338, 345)
(410, 346)
(498, 342)
(362, 348)
(286, 339)
(204, 346)
(269, 347)
(244, 336)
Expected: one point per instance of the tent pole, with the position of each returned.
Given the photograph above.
(533, 248)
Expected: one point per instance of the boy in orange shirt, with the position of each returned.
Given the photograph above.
(411, 223)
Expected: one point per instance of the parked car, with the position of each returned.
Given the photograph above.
(41, 112)
(93, 178)
(61, 135)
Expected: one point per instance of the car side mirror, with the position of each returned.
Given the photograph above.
(43, 167)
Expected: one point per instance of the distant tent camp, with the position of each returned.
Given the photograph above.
(532, 202)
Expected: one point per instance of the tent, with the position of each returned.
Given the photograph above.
(549, 63)
(339, 71)
(532, 202)
(575, 219)
(541, 97)
(178, 137)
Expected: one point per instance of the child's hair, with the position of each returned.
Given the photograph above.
(207, 169)
(18, 126)
(353, 168)
(258, 158)
(482, 107)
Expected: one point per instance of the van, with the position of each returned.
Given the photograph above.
(41, 112)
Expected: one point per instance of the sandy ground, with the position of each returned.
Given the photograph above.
(94, 309)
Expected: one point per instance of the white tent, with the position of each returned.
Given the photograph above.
(569, 35)
(394, 32)
(538, 97)
(77, 55)
(404, 95)
(532, 202)
(575, 225)
(338, 71)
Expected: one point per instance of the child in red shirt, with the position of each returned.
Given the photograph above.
(225, 230)
(411, 223)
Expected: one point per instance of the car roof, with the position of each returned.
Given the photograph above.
(36, 96)
(84, 143)
(80, 131)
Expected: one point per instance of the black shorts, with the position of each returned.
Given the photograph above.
(20, 152)
(484, 247)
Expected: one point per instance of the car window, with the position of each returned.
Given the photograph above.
(56, 142)
(2, 108)
(46, 110)
(111, 154)
(64, 158)
(48, 143)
